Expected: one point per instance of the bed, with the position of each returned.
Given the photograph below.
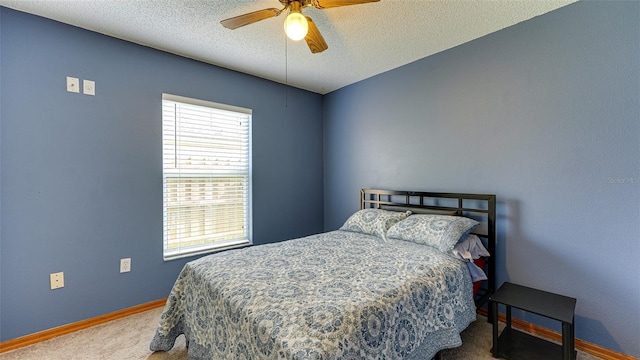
(363, 291)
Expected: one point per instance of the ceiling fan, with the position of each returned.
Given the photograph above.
(296, 25)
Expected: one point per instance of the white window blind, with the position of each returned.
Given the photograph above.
(206, 176)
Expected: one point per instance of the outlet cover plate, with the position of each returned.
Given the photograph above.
(57, 280)
(125, 265)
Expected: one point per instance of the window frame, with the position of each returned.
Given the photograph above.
(181, 252)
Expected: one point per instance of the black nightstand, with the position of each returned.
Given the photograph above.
(517, 345)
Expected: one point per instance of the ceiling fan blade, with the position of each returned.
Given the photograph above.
(250, 18)
(314, 39)
(323, 4)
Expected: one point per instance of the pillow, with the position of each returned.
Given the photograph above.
(373, 221)
(439, 231)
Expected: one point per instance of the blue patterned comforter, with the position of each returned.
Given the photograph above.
(336, 295)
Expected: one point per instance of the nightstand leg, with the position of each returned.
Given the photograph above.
(567, 341)
(494, 320)
(573, 335)
(508, 316)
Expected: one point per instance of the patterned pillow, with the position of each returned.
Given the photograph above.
(439, 231)
(373, 221)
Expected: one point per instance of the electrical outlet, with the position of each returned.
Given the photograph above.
(125, 265)
(89, 87)
(73, 84)
(57, 280)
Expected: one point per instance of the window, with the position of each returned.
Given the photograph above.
(206, 176)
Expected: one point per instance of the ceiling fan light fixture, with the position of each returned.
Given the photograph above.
(295, 25)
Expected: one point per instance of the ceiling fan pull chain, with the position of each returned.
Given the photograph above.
(286, 72)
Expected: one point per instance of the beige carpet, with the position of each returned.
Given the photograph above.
(129, 338)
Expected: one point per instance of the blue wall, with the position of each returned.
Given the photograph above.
(81, 175)
(544, 114)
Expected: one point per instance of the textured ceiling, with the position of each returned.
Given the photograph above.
(364, 40)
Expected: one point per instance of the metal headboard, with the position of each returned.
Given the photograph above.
(481, 207)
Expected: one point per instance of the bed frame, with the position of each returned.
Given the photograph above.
(480, 207)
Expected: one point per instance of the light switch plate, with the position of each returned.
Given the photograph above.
(89, 87)
(73, 84)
